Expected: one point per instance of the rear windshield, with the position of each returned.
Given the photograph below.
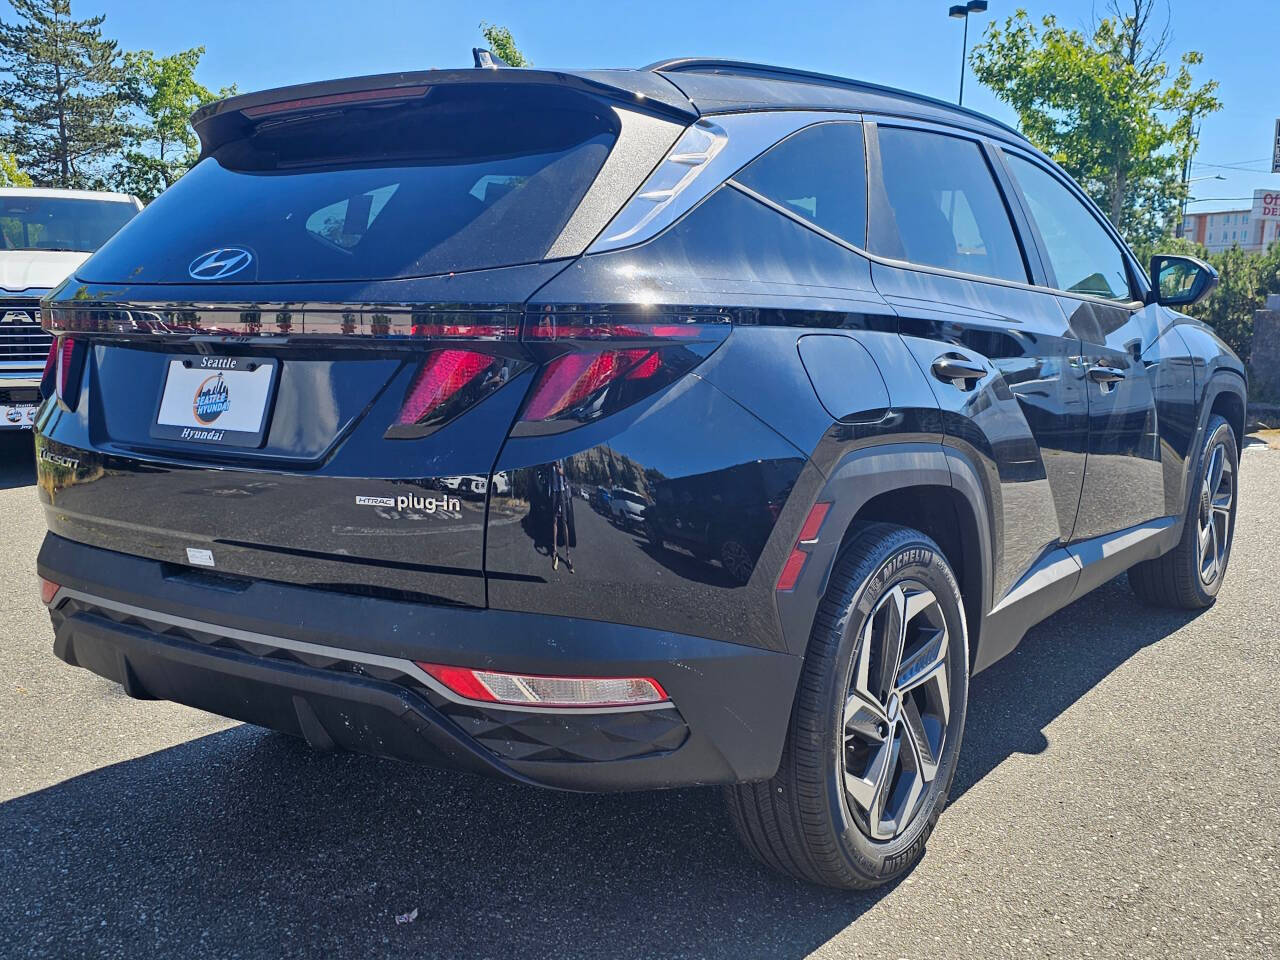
(459, 179)
(60, 223)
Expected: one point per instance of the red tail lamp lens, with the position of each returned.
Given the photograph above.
(490, 686)
(441, 377)
(49, 361)
(48, 589)
(572, 378)
(66, 353)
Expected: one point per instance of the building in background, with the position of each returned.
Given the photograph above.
(1254, 228)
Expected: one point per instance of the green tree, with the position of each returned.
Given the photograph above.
(161, 146)
(61, 93)
(11, 175)
(1105, 107)
(501, 43)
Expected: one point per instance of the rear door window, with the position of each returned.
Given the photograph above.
(463, 178)
(818, 174)
(943, 208)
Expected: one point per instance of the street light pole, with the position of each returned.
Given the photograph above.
(961, 11)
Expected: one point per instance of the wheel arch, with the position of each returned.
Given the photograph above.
(925, 486)
(1225, 396)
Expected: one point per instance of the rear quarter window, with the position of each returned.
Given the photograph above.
(819, 175)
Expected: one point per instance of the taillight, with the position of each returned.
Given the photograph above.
(573, 378)
(597, 365)
(524, 689)
(447, 382)
(62, 369)
(66, 352)
(48, 590)
(46, 379)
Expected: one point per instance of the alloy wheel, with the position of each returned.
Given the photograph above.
(896, 710)
(1217, 496)
(736, 561)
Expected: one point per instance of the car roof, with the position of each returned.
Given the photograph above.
(730, 86)
(69, 194)
(684, 88)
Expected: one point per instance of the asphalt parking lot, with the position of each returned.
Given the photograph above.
(1118, 795)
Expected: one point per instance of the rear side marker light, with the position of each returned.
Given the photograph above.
(794, 566)
(487, 686)
(813, 523)
(48, 590)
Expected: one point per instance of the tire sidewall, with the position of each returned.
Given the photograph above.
(1219, 431)
(916, 557)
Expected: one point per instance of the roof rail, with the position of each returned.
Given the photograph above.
(744, 68)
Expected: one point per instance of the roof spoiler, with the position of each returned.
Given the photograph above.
(230, 119)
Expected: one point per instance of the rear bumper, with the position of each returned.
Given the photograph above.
(339, 670)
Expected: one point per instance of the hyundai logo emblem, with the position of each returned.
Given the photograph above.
(220, 263)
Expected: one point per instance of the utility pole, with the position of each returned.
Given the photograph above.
(961, 11)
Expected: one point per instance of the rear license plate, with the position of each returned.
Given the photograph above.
(21, 415)
(220, 400)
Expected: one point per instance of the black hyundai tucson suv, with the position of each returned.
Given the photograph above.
(334, 428)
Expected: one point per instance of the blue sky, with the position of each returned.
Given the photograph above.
(907, 43)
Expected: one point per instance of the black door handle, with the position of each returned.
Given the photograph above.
(1101, 374)
(958, 370)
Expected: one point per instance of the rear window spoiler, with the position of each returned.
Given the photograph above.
(230, 119)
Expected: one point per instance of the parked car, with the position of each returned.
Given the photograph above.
(626, 508)
(725, 516)
(974, 403)
(44, 235)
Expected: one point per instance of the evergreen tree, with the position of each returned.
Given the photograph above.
(62, 93)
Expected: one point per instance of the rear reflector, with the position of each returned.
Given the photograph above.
(794, 566)
(488, 686)
(791, 570)
(48, 589)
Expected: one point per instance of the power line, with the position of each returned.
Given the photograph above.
(1217, 199)
(1238, 165)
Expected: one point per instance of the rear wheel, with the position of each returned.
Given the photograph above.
(736, 560)
(876, 728)
(1190, 575)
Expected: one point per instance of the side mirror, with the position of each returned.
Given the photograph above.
(1180, 281)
